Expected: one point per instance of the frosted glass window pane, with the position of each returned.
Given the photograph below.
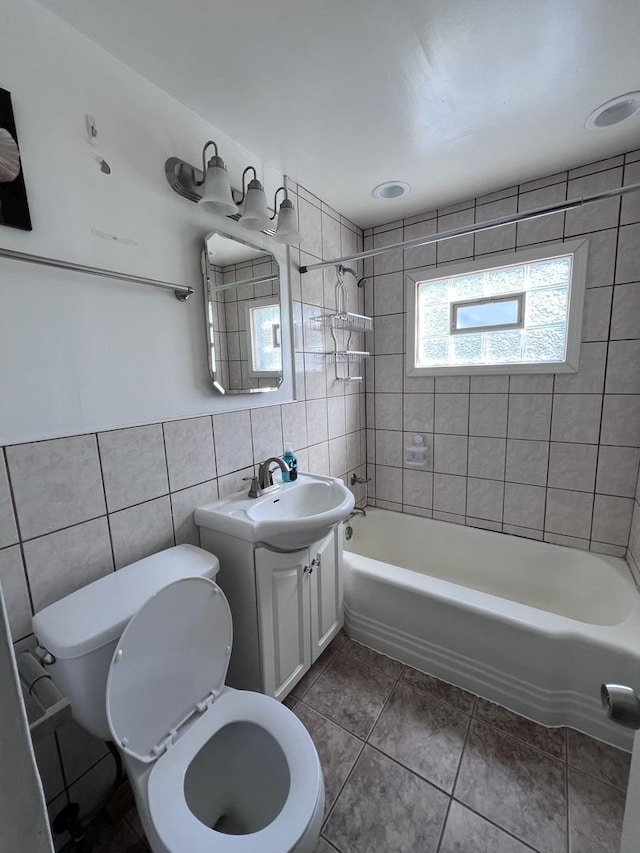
(433, 291)
(503, 347)
(544, 285)
(487, 314)
(434, 350)
(546, 344)
(546, 273)
(435, 319)
(508, 280)
(265, 328)
(465, 349)
(545, 307)
(466, 287)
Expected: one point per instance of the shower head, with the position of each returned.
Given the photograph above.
(359, 281)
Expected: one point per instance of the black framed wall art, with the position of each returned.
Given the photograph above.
(14, 207)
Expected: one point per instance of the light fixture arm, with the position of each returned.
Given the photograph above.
(244, 188)
(275, 200)
(204, 162)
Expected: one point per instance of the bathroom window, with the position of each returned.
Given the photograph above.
(523, 315)
(487, 314)
(264, 337)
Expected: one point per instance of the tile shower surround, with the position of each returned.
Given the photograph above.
(88, 504)
(413, 764)
(76, 508)
(551, 457)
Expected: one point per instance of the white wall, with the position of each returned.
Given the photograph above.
(80, 353)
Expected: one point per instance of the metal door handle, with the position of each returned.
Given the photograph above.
(315, 564)
(621, 705)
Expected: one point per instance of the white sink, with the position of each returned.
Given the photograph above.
(291, 516)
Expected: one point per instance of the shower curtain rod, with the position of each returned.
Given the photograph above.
(181, 291)
(258, 280)
(475, 229)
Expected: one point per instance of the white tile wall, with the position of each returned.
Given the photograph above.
(134, 467)
(74, 509)
(550, 457)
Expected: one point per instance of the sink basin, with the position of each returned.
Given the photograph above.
(291, 516)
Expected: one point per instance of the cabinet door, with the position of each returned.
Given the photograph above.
(326, 592)
(283, 616)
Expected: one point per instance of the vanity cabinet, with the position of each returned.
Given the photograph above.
(286, 608)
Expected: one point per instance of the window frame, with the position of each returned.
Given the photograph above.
(249, 306)
(579, 251)
(519, 297)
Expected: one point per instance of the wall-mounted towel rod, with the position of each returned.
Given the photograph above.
(475, 229)
(182, 292)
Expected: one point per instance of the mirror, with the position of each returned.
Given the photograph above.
(243, 315)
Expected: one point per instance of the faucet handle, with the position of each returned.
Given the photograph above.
(360, 480)
(254, 489)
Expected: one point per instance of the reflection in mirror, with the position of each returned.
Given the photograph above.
(242, 309)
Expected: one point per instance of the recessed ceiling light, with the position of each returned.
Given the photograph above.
(614, 111)
(391, 190)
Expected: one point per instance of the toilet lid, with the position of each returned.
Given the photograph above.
(170, 663)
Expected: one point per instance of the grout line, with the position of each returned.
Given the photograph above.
(455, 780)
(496, 825)
(606, 370)
(20, 542)
(106, 505)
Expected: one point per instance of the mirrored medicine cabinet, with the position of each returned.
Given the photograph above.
(246, 345)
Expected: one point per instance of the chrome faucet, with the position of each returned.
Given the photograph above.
(265, 480)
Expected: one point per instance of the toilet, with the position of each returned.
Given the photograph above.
(143, 654)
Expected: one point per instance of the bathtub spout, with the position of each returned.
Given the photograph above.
(356, 511)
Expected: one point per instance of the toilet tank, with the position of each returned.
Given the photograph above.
(81, 630)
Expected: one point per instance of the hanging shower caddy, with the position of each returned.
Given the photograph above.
(343, 325)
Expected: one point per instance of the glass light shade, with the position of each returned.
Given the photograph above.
(216, 193)
(255, 214)
(287, 230)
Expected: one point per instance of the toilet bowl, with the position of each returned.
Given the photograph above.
(143, 655)
(212, 768)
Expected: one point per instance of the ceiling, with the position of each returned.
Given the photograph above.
(455, 97)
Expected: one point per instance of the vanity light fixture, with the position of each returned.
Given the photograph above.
(212, 189)
(287, 228)
(216, 194)
(255, 215)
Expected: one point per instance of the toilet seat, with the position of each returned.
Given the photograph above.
(179, 829)
(169, 665)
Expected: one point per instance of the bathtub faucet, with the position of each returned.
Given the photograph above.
(357, 511)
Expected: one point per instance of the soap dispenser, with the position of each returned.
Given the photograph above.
(292, 474)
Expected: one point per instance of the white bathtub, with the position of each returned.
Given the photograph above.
(534, 627)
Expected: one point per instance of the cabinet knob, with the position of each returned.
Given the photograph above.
(308, 569)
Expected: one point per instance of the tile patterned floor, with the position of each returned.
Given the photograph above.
(414, 764)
